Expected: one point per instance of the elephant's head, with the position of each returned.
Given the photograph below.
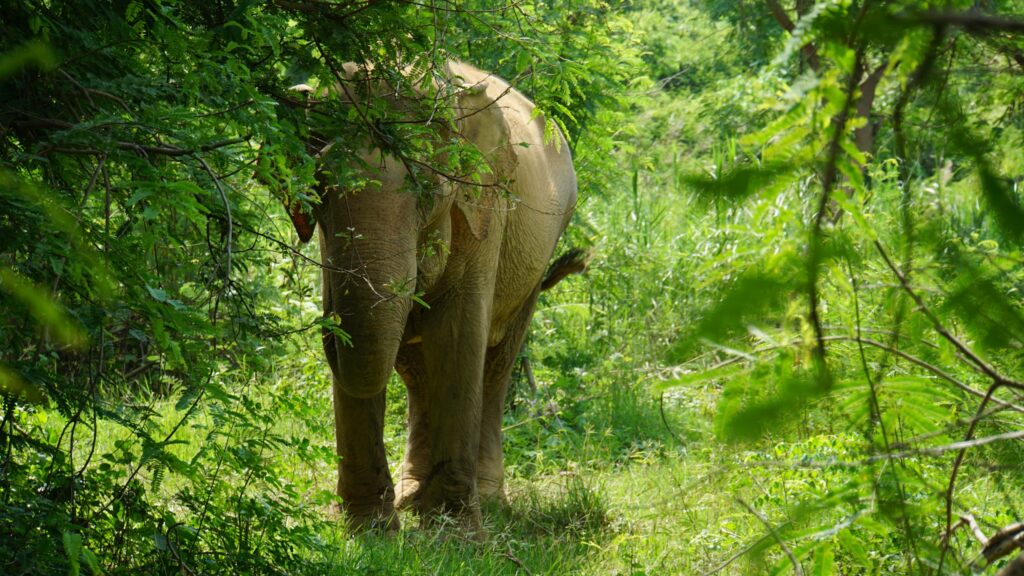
(475, 131)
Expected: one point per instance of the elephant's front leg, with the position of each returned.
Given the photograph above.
(365, 253)
(364, 480)
(361, 371)
(454, 346)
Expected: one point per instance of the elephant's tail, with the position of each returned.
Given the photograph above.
(574, 261)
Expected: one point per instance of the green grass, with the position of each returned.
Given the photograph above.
(604, 477)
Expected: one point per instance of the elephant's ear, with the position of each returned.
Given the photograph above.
(304, 224)
(482, 124)
(478, 210)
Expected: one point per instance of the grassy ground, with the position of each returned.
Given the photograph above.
(612, 482)
(657, 508)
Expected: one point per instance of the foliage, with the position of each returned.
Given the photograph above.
(806, 291)
(861, 304)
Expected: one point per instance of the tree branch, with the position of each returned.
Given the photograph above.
(797, 569)
(779, 13)
(141, 149)
(809, 51)
(973, 22)
(227, 211)
(969, 354)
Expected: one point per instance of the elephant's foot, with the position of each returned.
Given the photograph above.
(444, 500)
(371, 518)
(491, 490)
(371, 509)
(407, 493)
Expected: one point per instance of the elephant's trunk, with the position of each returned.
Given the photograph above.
(368, 245)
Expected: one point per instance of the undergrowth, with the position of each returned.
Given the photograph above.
(797, 349)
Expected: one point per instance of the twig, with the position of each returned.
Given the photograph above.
(325, 9)
(174, 550)
(967, 443)
(779, 13)
(975, 529)
(828, 180)
(1015, 568)
(927, 366)
(969, 521)
(736, 555)
(980, 364)
(881, 346)
(227, 211)
(295, 252)
(774, 533)
(515, 560)
(458, 9)
(934, 451)
(998, 381)
(92, 180)
(141, 149)
(381, 138)
(664, 420)
(1004, 542)
(876, 419)
(88, 91)
(961, 446)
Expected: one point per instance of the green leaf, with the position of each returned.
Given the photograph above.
(92, 562)
(12, 383)
(1004, 202)
(73, 550)
(854, 547)
(742, 182)
(188, 396)
(824, 560)
(160, 541)
(157, 294)
(33, 52)
(987, 310)
(998, 191)
(749, 407)
(748, 300)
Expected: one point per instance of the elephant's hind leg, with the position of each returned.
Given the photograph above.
(411, 368)
(501, 359)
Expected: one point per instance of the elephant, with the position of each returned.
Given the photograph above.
(441, 289)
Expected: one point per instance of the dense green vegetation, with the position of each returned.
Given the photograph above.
(797, 349)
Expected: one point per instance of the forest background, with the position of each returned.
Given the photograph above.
(797, 349)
